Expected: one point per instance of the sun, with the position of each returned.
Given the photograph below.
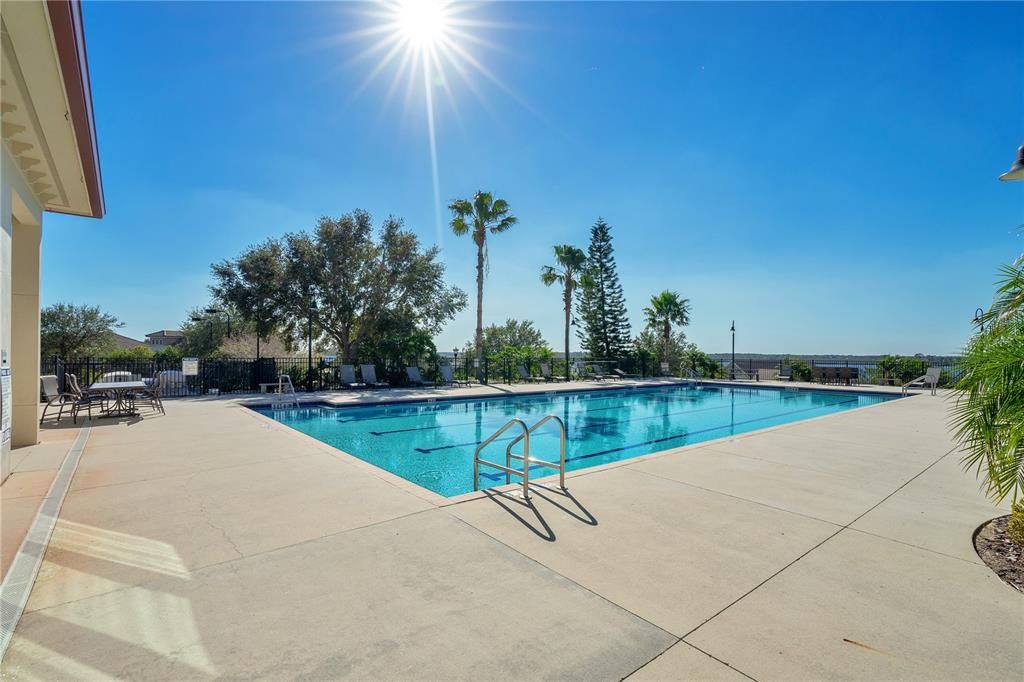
(424, 23)
(424, 42)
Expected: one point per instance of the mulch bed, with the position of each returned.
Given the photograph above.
(1002, 555)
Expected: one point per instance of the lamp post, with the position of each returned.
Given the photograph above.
(309, 346)
(455, 360)
(978, 320)
(732, 366)
(218, 311)
(209, 322)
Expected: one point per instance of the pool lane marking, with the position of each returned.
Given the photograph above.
(588, 426)
(427, 451)
(608, 393)
(663, 439)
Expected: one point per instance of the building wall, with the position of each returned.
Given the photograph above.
(20, 217)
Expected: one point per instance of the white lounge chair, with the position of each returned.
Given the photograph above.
(369, 373)
(416, 377)
(929, 378)
(347, 377)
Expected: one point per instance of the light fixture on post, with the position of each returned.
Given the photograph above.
(218, 311)
(209, 322)
(979, 319)
(309, 346)
(732, 367)
(1016, 171)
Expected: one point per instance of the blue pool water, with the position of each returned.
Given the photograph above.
(432, 443)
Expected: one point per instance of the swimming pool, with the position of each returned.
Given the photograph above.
(432, 443)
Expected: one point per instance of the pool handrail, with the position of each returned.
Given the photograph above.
(525, 473)
(560, 465)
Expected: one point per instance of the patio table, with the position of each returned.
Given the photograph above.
(120, 391)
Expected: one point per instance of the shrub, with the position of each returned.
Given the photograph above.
(1015, 528)
(800, 370)
(133, 353)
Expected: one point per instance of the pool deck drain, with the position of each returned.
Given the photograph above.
(763, 555)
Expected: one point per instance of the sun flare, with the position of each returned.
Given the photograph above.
(424, 23)
(424, 43)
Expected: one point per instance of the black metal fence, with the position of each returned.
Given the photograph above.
(896, 371)
(245, 375)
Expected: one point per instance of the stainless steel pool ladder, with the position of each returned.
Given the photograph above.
(689, 376)
(285, 395)
(525, 457)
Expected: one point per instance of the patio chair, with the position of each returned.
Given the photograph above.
(845, 376)
(929, 378)
(369, 374)
(526, 376)
(666, 371)
(448, 378)
(53, 395)
(785, 374)
(83, 399)
(416, 377)
(347, 377)
(619, 374)
(150, 394)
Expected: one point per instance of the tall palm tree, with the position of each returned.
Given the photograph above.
(569, 270)
(666, 309)
(478, 217)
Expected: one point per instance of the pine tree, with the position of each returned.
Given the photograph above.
(605, 331)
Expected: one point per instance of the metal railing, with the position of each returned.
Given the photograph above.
(525, 458)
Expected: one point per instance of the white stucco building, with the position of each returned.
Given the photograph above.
(49, 163)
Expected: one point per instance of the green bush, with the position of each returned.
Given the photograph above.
(133, 353)
(799, 370)
(1015, 528)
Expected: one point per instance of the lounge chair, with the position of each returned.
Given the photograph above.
(929, 378)
(347, 377)
(619, 374)
(666, 371)
(48, 385)
(526, 376)
(416, 378)
(545, 371)
(785, 374)
(582, 372)
(448, 378)
(369, 373)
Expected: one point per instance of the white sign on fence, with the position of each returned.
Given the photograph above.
(190, 367)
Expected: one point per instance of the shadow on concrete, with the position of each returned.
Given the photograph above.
(530, 516)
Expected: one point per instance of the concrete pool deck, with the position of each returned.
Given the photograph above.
(212, 542)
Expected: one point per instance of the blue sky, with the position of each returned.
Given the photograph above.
(823, 173)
